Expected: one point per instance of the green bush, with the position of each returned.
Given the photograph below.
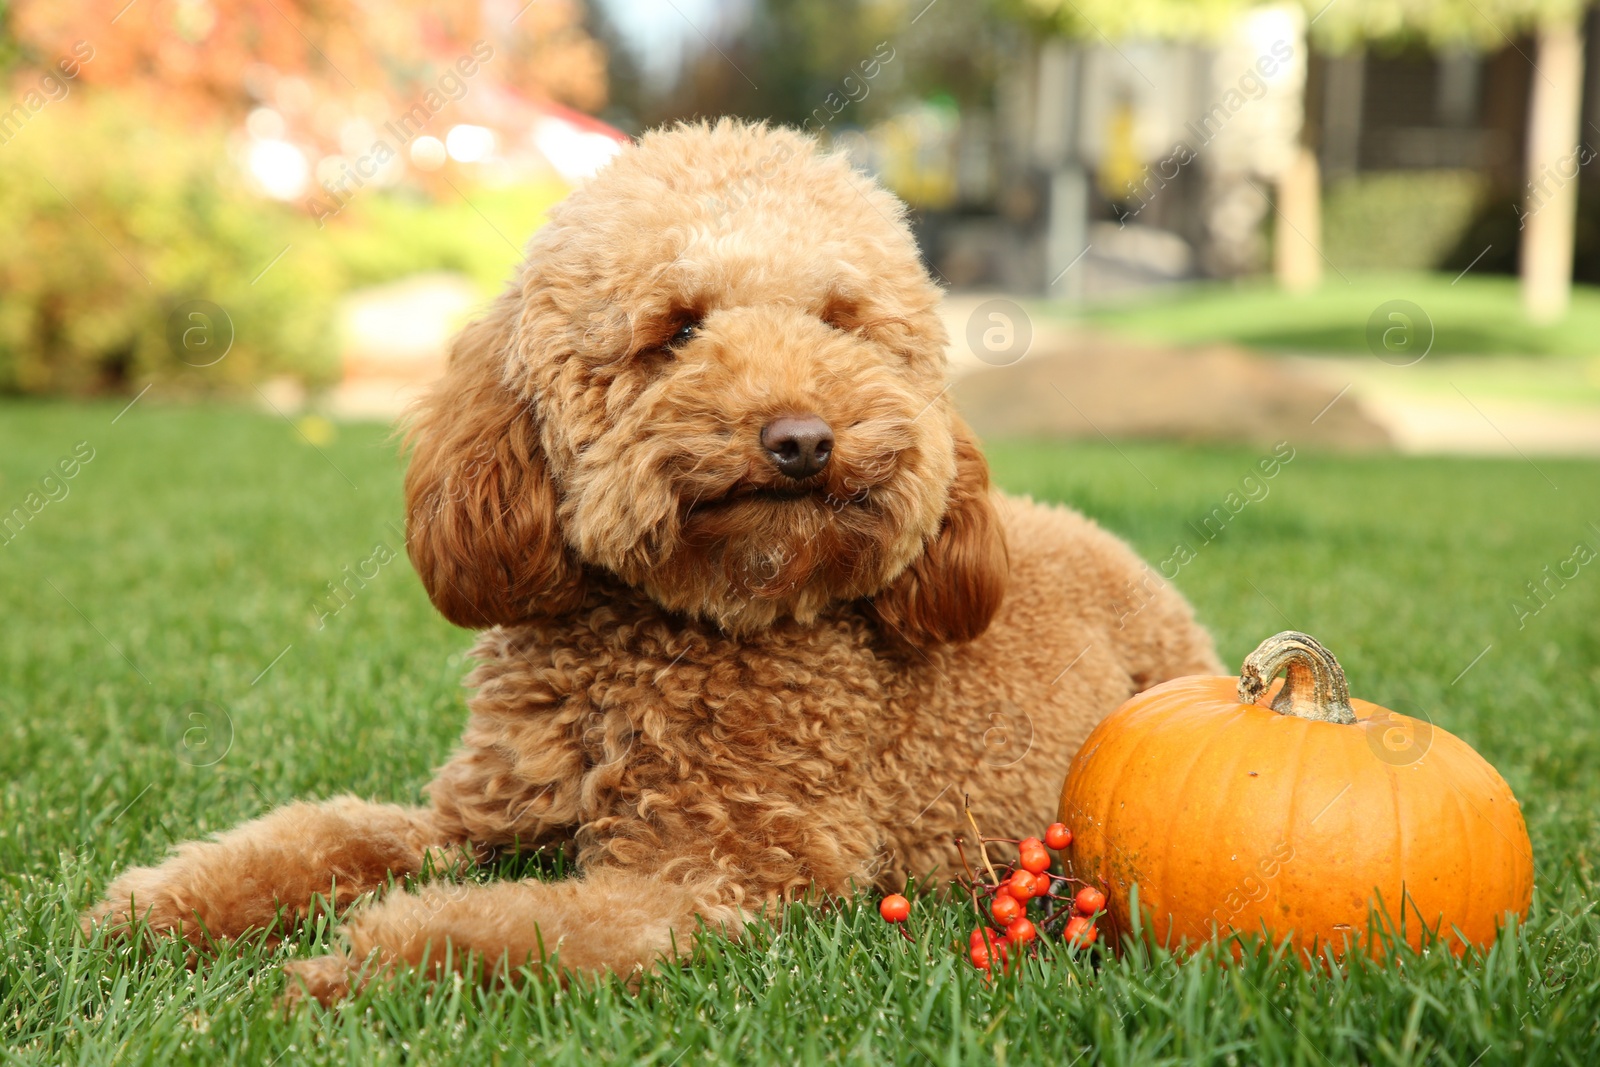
(388, 235)
(1398, 221)
(111, 219)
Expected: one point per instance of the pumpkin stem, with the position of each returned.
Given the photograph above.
(1314, 685)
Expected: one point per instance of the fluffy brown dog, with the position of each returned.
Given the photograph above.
(753, 619)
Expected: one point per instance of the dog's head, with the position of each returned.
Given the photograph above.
(719, 377)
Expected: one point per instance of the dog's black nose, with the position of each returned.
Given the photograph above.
(798, 444)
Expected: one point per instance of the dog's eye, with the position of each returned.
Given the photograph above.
(684, 334)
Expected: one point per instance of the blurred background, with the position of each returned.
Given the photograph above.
(1214, 218)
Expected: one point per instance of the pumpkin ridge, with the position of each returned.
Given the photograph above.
(1197, 759)
(1400, 821)
(1493, 785)
(1497, 784)
(1290, 825)
(1469, 866)
(1128, 753)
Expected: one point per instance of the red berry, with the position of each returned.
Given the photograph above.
(1080, 932)
(1041, 886)
(1058, 836)
(984, 935)
(1035, 860)
(979, 957)
(1020, 885)
(1021, 932)
(1089, 900)
(1005, 908)
(1029, 843)
(894, 908)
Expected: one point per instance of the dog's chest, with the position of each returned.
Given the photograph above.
(640, 702)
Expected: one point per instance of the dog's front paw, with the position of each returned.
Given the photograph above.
(325, 979)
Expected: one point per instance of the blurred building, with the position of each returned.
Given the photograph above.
(1107, 168)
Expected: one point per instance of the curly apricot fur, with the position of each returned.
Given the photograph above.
(724, 690)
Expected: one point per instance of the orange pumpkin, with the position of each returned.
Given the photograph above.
(1291, 810)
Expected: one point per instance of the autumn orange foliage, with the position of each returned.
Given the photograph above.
(205, 58)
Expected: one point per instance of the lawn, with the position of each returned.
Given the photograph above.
(1471, 315)
(165, 676)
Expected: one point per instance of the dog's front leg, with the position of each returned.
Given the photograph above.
(275, 866)
(610, 919)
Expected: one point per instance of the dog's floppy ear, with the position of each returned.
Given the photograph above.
(480, 507)
(952, 591)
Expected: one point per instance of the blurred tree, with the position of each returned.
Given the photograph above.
(787, 58)
(1180, 20)
(9, 49)
(782, 62)
(125, 199)
(110, 226)
(626, 91)
(1482, 24)
(957, 53)
(202, 58)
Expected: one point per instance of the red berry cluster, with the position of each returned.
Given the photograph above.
(1009, 892)
(1005, 898)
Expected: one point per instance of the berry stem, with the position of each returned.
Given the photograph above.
(972, 881)
(966, 807)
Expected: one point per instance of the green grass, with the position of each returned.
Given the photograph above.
(186, 558)
(1477, 315)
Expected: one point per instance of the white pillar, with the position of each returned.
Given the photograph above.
(1550, 209)
(1297, 240)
